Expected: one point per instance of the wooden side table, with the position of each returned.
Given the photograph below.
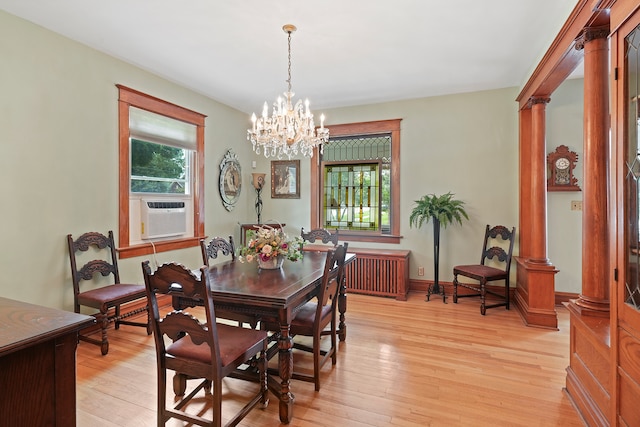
(38, 364)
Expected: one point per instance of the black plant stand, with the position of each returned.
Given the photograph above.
(435, 288)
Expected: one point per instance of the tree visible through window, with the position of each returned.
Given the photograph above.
(158, 168)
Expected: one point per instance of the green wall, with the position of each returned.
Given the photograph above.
(564, 127)
(466, 144)
(59, 162)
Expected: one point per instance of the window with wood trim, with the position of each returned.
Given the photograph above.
(355, 183)
(161, 163)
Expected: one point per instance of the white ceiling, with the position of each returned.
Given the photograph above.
(345, 52)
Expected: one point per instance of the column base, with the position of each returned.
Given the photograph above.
(535, 293)
(589, 307)
(588, 382)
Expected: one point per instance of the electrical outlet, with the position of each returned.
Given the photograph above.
(420, 271)
(576, 205)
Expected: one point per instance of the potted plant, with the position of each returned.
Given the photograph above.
(442, 210)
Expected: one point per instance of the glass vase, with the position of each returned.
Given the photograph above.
(271, 264)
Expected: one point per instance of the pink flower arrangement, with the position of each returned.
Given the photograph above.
(267, 243)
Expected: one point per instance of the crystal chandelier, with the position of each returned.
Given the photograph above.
(290, 129)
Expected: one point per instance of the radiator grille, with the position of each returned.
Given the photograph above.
(385, 275)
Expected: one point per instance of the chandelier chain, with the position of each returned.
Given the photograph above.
(289, 64)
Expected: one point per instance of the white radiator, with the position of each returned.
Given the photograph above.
(162, 219)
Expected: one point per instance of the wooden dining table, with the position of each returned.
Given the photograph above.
(244, 288)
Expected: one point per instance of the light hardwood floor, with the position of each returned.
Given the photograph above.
(411, 363)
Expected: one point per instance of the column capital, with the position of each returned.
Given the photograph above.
(591, 33)
(537, 100)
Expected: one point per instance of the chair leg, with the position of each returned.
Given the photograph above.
(117, 322)
(506, 292)
(217, 402)
(162, 397)
(103, 320)
(455, 288)
(483, 291)
(316, 361)
(149, 328)
(262, 368)
(342, 309)
(334, 347)
(179, 384)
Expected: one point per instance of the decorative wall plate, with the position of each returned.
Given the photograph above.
(230, 180)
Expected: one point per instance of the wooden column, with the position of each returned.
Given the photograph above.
(538, 207)
(534, 296)
(525, 182)
(594, 298)
(588, 384)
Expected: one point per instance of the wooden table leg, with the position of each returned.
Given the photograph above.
(285, 365)
(342, 308)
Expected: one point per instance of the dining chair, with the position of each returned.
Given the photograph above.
(483, 273)
(108, 299)
(321, 234)
(217, 245)
(202, 350)
(315, 316)
(210, 250)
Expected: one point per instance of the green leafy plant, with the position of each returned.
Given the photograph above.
(445, 209)
(442, 211)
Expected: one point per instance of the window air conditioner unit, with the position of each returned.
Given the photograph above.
(162, 219)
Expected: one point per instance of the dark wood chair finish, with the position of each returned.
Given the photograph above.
(315, 316)
(217, 245)
(210, 250)
(321, 234)
(484, 273)
(107, 299)
(206, 351)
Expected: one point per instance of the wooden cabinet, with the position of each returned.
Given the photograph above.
(38, 364)
(625, 294)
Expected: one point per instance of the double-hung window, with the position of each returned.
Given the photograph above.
(161, 175)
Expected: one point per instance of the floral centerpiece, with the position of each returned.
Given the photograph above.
(270, 247)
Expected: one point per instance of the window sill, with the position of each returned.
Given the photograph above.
(161, 246)
(367, 237)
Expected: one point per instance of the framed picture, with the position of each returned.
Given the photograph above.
(285, 179)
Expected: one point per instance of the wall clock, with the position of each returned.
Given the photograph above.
(561, 164)
(230, 180)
